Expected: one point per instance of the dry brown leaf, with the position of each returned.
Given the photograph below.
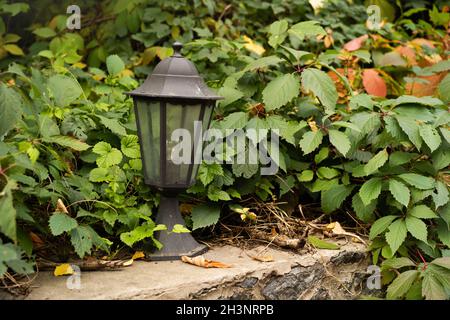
(60, 207)
(128, 263)
(336, 229)
(37, 241)
(200, 261)
(138, 255)
(262, 258)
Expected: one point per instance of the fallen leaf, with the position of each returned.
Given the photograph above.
(336, 229)
(128, 263)
(60, 206)
(63, 270)
(138, 255)
(373, 83)
(356, 43)
(200, 261)
(262, 258)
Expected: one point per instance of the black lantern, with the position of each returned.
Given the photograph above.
(173, 97)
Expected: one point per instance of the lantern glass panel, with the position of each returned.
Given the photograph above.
(180, 116)
(207, 115)
(148, 116)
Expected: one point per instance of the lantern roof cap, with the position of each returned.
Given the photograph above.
(175, 77)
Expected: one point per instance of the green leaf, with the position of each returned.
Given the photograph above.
(8, 212)
(418, 181)
(443, 262)
(235, 120)
(65, 90)
(327, 173)
(277, 31)
(322, 244)
(417, 228)
(99, 175)
(441, 197)
(396, 234)
(110, 217)
(333, 198)
(430, 136)
(422, 212)
(81, 239)
(370, 190)
(344, 124)
(130, 146)
(398, 158)
(207, 172)
(411, 128)
(179, 228)
(380, 225)
(245, 170)
(397, 263)
(230, 95)
(204, 215)
(311, 141)
(400, 286)
(216, 194)
(45, 32)
(376, 162)
(340, 141)
(114, 64)
(399, 191)
(114, 125)
(444, 89)
(432, 288)
(10, 109)
(305, 176)
(363, 212)
(108, 156)
(60, 223)
(263, 62)
(321, 155)
(307, 29)
(280, 91)
(321, 85)
(13, 49)
(140, 233)
(67, 141)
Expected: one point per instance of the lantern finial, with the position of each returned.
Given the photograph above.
(177, 46)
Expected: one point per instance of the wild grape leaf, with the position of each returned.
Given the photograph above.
(370, 190)
(430, 136)
(417, 228)
(333, 198)
(399, 191)
(418, 181)
(321, 85)
(400, 286)
(396, 234)
(280, 91)
(340, 141)
(376, 162)
(10, 109)
(65, 90)
(311, 141)
(380, 225)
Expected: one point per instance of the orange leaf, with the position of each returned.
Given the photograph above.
(37, 241)
(407, 53)
(355, 44)
(200, 261)
(373, 83)
(420, 89)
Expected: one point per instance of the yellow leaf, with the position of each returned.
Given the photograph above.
(313, 126)
(127, 72)
(253, 47)
(13, 49)
(79, 65)
(63, 270)
(138, 255)
(263, 258)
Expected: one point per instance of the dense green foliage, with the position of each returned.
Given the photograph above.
(362, 115)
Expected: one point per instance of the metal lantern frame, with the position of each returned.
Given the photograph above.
(173, 87)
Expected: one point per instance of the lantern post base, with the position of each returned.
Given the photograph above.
(175, 245)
